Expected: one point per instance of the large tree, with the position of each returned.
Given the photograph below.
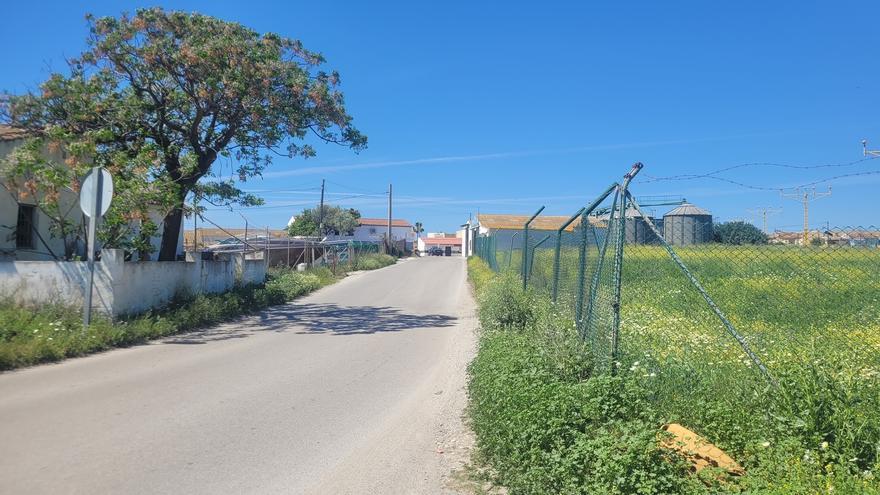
(161, 95)
(335, 221)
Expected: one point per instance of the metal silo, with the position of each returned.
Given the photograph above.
(686, 225)
(636, 227)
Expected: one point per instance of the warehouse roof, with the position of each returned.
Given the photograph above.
(383, 222)
(516, 222)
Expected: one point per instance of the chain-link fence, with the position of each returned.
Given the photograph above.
(714, 321)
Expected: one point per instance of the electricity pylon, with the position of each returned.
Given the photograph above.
(764, 212)
(805, 195)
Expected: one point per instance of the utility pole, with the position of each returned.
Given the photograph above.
(806, 195)
(764, 212)
(195, 222)
(321, 213)
(389, 217)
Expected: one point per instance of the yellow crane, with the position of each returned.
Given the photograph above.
(805, 195)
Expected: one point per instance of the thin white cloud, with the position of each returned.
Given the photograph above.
(328, 169)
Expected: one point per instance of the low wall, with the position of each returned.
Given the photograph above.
(124, 287)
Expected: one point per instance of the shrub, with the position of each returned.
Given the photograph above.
(504, 305)
(739, 232)
(373, 261)
(479, 273)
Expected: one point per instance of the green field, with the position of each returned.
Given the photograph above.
(811, 316)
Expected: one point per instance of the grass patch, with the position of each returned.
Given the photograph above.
(546, 422)
(55, 332)
(372, 261)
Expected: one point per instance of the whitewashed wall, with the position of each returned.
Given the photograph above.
(123, 287)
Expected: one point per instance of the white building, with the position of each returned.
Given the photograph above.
(449, 243)
(25, 230)
(376, 229)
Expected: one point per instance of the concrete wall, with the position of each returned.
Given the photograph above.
(124, 287)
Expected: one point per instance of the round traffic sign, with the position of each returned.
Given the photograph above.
(90, 188)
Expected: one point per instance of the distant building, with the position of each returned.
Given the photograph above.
(376, 229)
(448, 242)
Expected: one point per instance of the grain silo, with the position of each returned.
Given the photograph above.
(637, 229)
(686, 225)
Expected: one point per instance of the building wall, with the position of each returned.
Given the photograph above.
(375, 233)
(124, 287)
(46, 246)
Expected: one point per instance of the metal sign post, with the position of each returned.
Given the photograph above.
(94, 201)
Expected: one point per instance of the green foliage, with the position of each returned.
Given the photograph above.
(55, 332)
(546, 426)
(293, 283)
(479, 273)
(505, 306)
(158, 96)
(336, 220)
(373, 261)
(739, 232)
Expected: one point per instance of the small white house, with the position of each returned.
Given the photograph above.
(25, 231)
(376, 229)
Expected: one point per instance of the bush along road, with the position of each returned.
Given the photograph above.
(29, 337)
(546, 424)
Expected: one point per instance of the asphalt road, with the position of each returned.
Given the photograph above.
(358, 388)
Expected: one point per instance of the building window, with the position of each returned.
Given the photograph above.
(372, 230)
(24, 230)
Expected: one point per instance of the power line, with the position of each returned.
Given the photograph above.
(714, 174)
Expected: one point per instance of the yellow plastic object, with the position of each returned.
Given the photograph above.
(699, 451)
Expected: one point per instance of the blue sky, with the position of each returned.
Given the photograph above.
(503, 106)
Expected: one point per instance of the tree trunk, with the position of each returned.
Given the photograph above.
(171, 234)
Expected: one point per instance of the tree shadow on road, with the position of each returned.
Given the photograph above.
(329, 319)
(349, 320)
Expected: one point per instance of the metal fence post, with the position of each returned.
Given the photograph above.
(510, 249)
(535, 248)
(582, 255)
(600, 260)
(557, 254)
(582, 272)
(618, 265)
(525, 254)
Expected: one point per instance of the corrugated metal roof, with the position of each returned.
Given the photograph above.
(516, 222)
(379, 222)
(8, 133)
(687, 209)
